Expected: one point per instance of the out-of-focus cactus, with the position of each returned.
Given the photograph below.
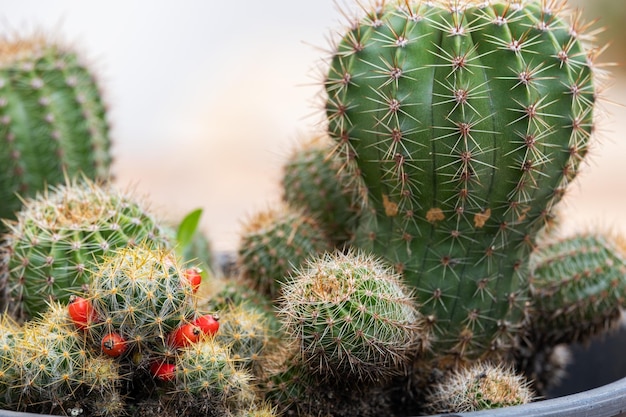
(578, 286)
(482, 386)
(275, 242)
(52, 119)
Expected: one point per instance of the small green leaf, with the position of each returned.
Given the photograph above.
(187, 228)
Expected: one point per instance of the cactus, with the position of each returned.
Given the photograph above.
(60, 235)
(246, 332)
(314, 180)
(52, 119)
(141, 294)
(352, 316)
(273, 243)
(54, 365)
(10, 334)
(207, 373)
(466, 121)
(482, 386)
(578, 288)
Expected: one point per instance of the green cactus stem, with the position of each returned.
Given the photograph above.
(467, 121)
(52, 119)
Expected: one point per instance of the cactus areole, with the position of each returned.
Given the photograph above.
(467, 121)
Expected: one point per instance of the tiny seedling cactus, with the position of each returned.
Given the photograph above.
(466, 120)
(52, 119)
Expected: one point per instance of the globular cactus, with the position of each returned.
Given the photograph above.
(482, 386)
(314, 180)
(352, 316)
(246, 332)
(207, 375)
(289, 383)
(577, 288)
(274, 242)
(60, 235)
(142, 295)
(467, 120)
(52, 119)
(54, 366)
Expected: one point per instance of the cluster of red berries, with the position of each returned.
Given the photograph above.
(113, 344)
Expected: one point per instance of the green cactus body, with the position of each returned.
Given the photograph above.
(578, 288)
(141, 294)
(52, 120)
(59, 236)
(352, 316)
(314, 180)
(276, 241)
(466, 120)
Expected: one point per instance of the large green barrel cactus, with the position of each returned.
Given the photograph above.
(467, 120)
(52, 119)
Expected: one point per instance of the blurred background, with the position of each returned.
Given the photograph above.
(207, 98)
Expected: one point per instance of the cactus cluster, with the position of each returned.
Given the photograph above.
(413, 265)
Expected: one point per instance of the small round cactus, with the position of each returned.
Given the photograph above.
(482, 386)
(140, 294)
(206, 371)
(276, 241)
(60, 235)
(52, 119)
(352, 315)
(246, 332)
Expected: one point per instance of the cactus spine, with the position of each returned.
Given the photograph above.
(467, 121)
(52, 119)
